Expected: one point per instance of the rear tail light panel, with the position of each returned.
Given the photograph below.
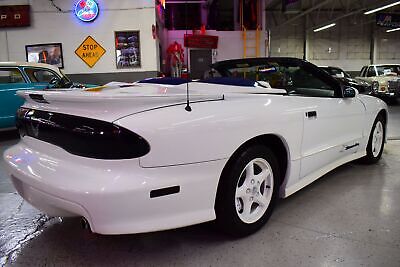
(82, 136)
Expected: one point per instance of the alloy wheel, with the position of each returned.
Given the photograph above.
(254, 190)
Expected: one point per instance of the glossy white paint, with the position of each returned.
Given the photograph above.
(188, 149)
(114, 196)
(339, 123)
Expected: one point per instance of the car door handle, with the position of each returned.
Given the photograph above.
(311, 114)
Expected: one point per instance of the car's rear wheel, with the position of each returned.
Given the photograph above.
(247, 191)
(376, 141)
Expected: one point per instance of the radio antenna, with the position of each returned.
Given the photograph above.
(188, 108)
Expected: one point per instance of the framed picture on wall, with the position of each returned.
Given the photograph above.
(45, 53)
(127, 49)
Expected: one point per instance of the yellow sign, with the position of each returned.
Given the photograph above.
(95, 89)
(90, 51)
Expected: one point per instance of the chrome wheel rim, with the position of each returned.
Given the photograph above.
(377, 139)
(254, 190)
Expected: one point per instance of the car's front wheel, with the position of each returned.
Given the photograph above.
(376, 141)
(247, 191)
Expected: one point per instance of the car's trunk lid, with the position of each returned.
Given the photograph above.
(111, 103)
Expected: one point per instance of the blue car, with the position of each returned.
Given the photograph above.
(16, 76)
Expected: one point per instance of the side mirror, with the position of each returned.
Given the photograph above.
(349, 92)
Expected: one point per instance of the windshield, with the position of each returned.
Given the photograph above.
(388, 70)
(294, 76)
(272, 73)
(65, 81)
(336, 72)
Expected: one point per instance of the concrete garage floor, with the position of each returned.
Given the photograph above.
(394, 121)
(350, 217)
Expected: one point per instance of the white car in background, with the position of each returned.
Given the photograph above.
(385, 79)
(139, 159)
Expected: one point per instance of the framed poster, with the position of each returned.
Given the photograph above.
(45, 53)
(127, 49)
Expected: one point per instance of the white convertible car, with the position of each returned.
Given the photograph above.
(138, 159)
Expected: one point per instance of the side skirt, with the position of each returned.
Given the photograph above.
(303, 182)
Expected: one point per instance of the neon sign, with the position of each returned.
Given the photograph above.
(86, 10)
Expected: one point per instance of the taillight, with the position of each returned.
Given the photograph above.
(82, 136)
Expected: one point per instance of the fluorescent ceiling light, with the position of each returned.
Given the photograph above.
(393, 30)
(382, 8)
(325, 27)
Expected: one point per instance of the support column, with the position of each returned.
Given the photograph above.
(264, 34)
(236, 19)
(373, 53)
(305, 39)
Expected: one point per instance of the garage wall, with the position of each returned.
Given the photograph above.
(50, 25)
(348, 45)
(3, 46)
(230, 43)
(288, 41)
(388, 45)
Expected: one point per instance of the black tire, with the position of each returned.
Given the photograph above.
(370, 158)
(228, 220)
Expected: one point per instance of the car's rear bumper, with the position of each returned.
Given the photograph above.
(114, 196)
(391, 93)
(387, 94)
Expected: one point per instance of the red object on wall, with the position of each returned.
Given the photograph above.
(201, 41)
(175, 51)
(203, 29)
(15, 16)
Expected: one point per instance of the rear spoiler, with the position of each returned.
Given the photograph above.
(106, 106)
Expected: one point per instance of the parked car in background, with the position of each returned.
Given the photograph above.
(385, 79)
(336, 72)
(16, 76)
(363, 87)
